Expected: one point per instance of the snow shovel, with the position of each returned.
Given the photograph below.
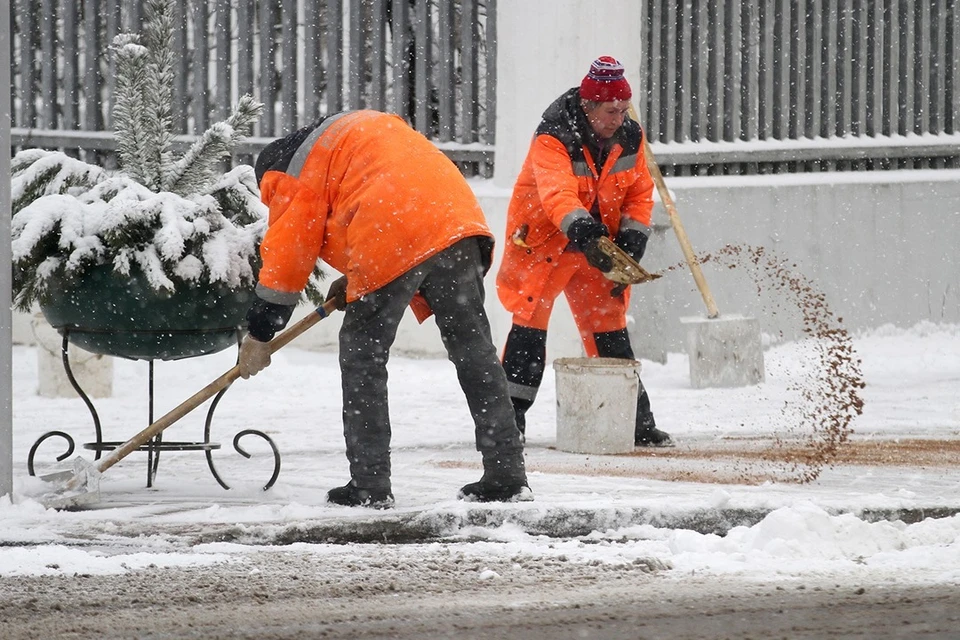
(81, 485)
(723, 352)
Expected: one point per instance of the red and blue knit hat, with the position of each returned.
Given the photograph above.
(605, 81)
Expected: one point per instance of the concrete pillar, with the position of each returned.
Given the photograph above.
(6, 284)
(93, 372)
(544, 47)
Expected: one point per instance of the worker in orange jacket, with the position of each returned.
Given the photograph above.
(381, 204)
(584, 177)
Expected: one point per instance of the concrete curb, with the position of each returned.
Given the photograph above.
(432, 526)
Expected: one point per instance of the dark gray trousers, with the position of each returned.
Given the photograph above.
(452, 283)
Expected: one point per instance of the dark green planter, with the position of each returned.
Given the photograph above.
(121, 316)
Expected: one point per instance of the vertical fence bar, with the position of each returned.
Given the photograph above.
(25, 21)
(71, 64)
(813, 23)
(334, 86)
(922, 96)
(781, 70)
(223, 67)
(844, 68)
(268, 72)
(680, 30)
(669, 76)
(468, 71)
(765, 72)
(378, 55)
(874, 103)
(798, 67)
(828, 70)
(733, 62)
(750, 74)
(289, 66)
(355, 75)
(891, 68)
(244, 54)
(400, 63)
(489, 131)
(715, 71)
(859, 68)
(199, 101)
(111, 26)
(48, 72)
(313, 75)
(937, 65)
(701, 65)
(445, 87)
(132, 18)
(642, 94)
(181, 68)
(907, 77)
(653, 67)
(376, 93)
(952, 77)
(421, 66)
(92, 111)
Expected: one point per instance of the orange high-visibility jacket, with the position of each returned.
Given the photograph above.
(369, 196)
(559, 178)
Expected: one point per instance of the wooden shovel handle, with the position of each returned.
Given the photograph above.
(210, 390)
(667, 200)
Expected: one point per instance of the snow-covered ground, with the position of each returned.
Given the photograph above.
(588, 508)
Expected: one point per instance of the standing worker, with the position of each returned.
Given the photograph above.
(382, 205)
(584, 177)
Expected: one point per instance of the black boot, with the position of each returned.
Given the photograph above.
(504, 480)
(351, 495)
(645, 433)
(485, 491)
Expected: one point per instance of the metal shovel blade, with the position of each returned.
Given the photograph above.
(75, 488)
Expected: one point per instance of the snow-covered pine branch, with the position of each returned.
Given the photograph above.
(158, 97)
(197, 169)
(36, 173)
(244, 116)
(129, 107)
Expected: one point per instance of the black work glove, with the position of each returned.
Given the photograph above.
(584, 233)
(633, 241)
(618, 290)
(264, 319)
(338, 292)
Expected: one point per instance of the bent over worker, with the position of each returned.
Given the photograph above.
(584, 177)
(379, 203)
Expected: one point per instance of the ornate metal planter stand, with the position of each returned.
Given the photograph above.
(124, 317)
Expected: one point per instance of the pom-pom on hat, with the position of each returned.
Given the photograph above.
(605, 82)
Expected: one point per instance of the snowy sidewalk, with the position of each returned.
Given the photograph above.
(903, 464)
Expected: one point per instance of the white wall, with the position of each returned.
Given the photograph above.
(881, 247)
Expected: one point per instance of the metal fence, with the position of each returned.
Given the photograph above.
(810, 85)
(852, 84)
(431, 61)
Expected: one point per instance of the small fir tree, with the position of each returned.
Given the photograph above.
(179, 220)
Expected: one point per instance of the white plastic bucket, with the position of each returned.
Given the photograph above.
(596, 404)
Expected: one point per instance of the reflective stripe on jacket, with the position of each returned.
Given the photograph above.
(369, 196)
(558, 180)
